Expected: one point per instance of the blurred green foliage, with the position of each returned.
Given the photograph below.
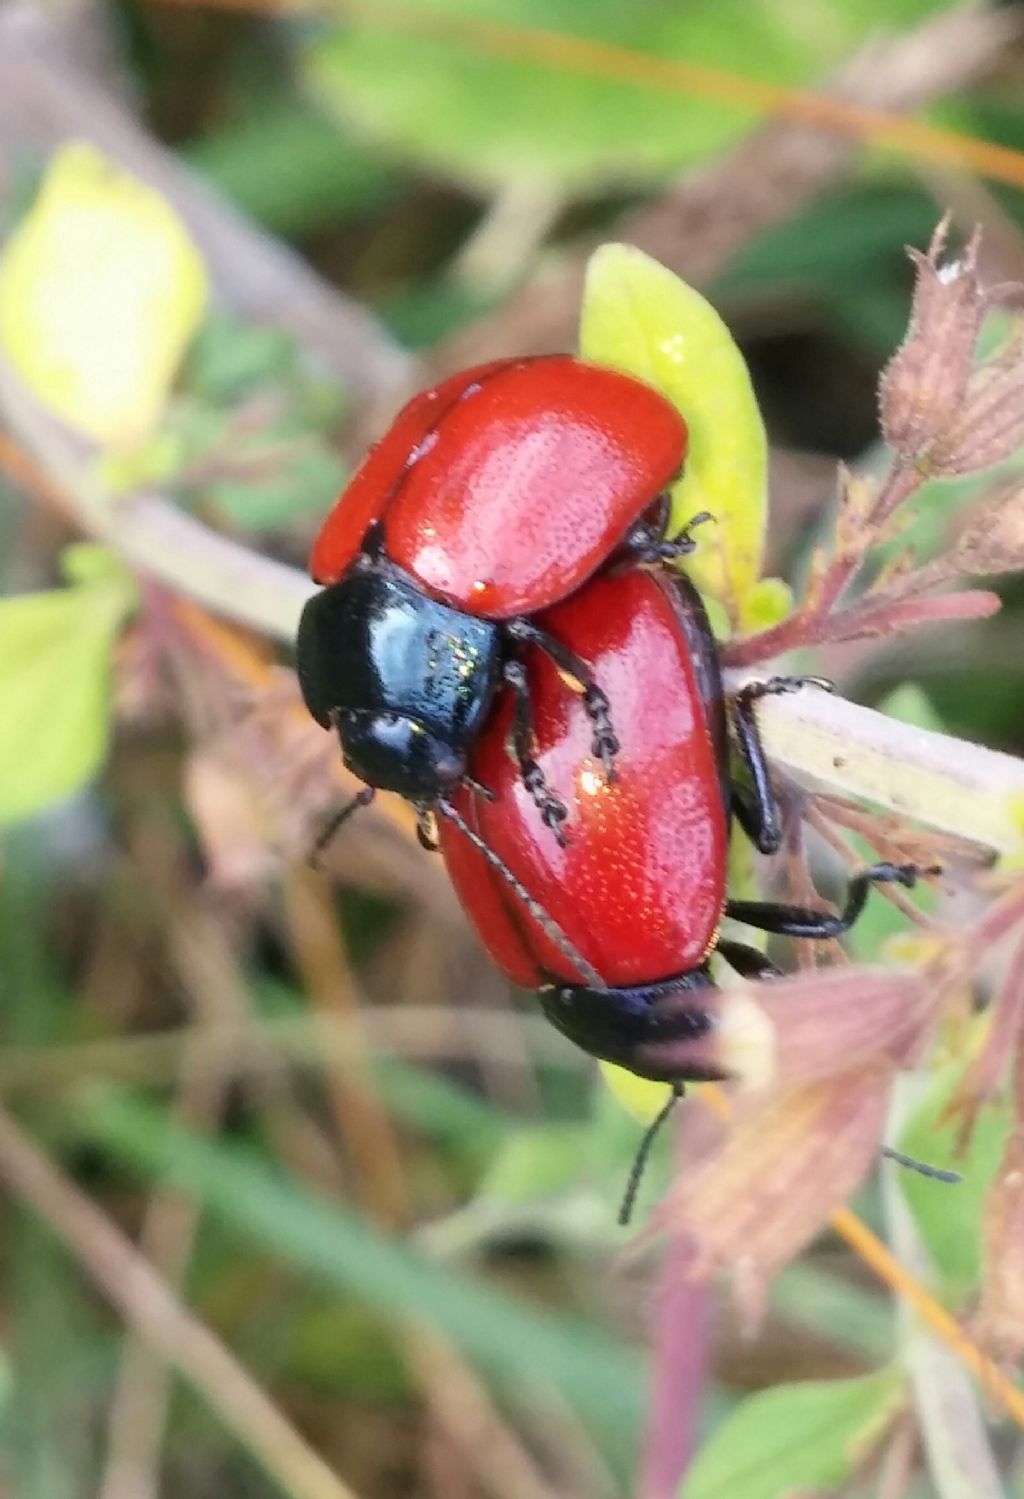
(55, 650)
(797, 1437)
(486, 116)
(380, 153)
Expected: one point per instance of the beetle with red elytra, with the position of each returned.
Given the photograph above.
(492, 496)
(506, 536)
(624, 914)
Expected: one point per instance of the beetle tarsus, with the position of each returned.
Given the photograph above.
(748, 962)
(682, 543)
(552, 809)
(648, 544)
(605, 743)
(804, 921)
(757, 810)
(776, 686)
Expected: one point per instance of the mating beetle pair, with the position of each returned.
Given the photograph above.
(496, 641)
(493, 496)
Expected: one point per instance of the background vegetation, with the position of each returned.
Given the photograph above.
(371, 1173)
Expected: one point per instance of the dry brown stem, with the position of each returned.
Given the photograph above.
(154, 1313)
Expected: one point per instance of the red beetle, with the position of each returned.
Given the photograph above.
(616, 928)
(492, 496)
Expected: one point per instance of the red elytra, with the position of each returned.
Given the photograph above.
(639, 887)
(505, 487)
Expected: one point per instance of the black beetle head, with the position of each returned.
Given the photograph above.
(396, 753)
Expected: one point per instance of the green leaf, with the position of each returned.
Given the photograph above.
(909, 703)
(642, 1099)
(795, 1438)
(639, 317)
(450, 102)
(55, 682)
(949, 1217)
(768, 602)
(492, 91)
(505, 1334)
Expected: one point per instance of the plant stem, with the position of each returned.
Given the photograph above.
(152, 533)
(947, 784)
(944, 783)
(897, 487)
(879, 1258)
(949, 1412)
(814, 622)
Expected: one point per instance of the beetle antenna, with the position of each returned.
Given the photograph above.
(636, 1171)
(551, 928)
(361, 799)
(936, 1173)
(479, 789)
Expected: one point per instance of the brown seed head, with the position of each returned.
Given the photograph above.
(1001, 1311)
(754, 1204)
(990, 423)
(992, 540)
(924, 385)
(814, 1025)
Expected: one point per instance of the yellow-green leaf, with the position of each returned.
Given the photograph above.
(768, 602)
(1013, 862)
(55, 682)
(639, 317)
(642, 1099)
(101, 291)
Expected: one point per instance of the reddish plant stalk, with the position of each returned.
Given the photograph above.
(811, 625)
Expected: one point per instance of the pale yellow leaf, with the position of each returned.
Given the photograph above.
(101, 291)
(639, 1097)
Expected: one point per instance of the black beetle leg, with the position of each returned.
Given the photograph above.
(748, 962)
(648, 542)
(552, 809)
(598, 709)
(803, 921)
(757, 811)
